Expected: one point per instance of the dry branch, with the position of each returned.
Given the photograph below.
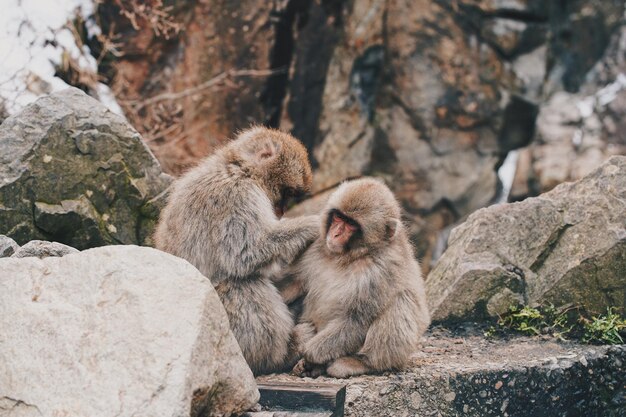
(220, 78)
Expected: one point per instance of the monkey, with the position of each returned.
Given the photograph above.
(365, 308)
(292, 290)
(224, 217)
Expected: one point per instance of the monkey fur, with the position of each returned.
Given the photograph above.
(365, 307)
(221, 217)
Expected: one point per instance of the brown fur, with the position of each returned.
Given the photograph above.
(220, 217)
(365, 309)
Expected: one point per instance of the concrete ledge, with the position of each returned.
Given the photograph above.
(461, 373)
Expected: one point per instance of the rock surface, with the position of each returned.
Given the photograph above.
(428, 94)
(75, 173)
(575, 134)
(566, 246)
(42, 249)
(462, 373)
(7, 246)
(217, 37)
(578, 129)
(118, 330)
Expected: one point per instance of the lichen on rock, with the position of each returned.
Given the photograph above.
(73, 172)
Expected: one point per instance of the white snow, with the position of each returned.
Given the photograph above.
(506, 173)
(609, 92)
(586, 106)
(602, 97)
(26, 29)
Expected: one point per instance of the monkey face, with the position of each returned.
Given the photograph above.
(279, 161)
(341, 229)
(290, 175)
(370, 207)
(288, 198)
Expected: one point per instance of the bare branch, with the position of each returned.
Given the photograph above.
(220, 78)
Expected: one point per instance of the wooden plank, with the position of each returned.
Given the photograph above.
(303, 397)
(287, 414)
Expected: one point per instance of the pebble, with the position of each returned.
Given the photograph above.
(449, 397)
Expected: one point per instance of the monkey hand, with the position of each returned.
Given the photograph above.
(300, 368)
(337, 339)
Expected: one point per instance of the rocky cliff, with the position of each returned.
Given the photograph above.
(431, 95)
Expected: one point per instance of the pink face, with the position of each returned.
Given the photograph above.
(339, 233)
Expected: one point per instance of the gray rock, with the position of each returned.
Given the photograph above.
(118, 330)
(7, 246)
(566, 246)
(465, 374)
(73, 172)
(42, 249)
(575, 134)
(577, 131)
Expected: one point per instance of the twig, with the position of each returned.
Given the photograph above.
(140, 104)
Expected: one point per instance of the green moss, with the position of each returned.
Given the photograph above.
(605, 328)
(536, 321)
(562, 323)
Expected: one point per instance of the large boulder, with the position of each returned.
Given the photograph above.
(73, 172)
(118, 330)
(566, 246)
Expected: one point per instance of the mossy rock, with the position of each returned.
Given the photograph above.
(71, 171)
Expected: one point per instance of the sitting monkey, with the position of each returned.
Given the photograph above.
(365, 309)
(223, 216)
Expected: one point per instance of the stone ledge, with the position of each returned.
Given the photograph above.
(462, 373)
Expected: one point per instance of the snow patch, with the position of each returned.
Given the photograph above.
(609, 92)
(506, 173)
(32, 42)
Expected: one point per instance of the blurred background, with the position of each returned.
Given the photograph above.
(457, 104)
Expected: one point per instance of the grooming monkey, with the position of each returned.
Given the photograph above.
(365, 309)
(223, 217)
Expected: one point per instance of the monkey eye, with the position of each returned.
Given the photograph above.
(348, 222)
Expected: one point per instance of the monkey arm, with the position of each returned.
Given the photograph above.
(289, 281)
(289, 237)
(291, 289)
(340, 337)
(248, 247)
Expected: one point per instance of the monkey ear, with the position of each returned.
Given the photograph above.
(266, 151)
(392, 227)
(259, 150)
(263, 149)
